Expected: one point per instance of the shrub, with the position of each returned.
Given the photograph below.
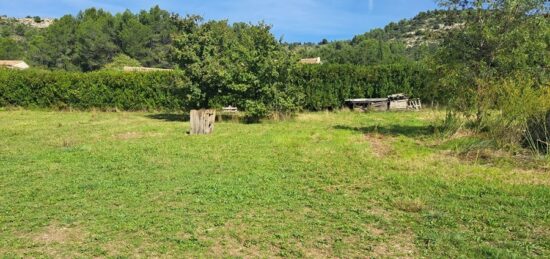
(537, 134)
(255, 111)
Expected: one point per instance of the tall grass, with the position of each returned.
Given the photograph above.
(515, 114)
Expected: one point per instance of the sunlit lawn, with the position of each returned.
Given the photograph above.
(89, 184)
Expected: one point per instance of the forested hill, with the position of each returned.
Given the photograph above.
(408, 39)
(95, 39)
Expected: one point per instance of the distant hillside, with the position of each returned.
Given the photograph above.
(94, 37)
(16, 34)
(34, 22)
(426, 27)
(408, 39)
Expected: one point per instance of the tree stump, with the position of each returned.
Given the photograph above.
(202, 121)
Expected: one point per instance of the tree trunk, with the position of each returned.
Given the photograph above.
(202, 121)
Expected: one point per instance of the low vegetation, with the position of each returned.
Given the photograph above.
(89, 184)
(486, 61)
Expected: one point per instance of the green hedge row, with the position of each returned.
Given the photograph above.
(102, 90)
(327, 86)
(319, 87)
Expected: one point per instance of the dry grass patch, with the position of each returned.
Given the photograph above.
(529, 177)
(54, 241)
(68, 143)
(380, 144)
(229, 246)
(135, 135)
(397, 246)
(57, 234)
(315, 117)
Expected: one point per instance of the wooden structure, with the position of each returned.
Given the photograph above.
(202, 122)
(415, 104)
(377, 104)
(311, 61)
(230, 109)
(395, 102)
(144, 69)
(14, 64)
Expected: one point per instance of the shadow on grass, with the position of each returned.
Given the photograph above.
(175, 117)
(169, 117)
(393, 130)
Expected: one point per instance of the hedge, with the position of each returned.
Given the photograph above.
(328, 86)
(320, 87)
(102, 90)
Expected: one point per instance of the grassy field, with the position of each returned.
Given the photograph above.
(87, 184)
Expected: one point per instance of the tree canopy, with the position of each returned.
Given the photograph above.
(240, 64)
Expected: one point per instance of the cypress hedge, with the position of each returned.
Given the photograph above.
(328, 86)
(102, 90)
(321, 87)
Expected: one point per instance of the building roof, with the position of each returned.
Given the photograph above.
(18, 64)
(311, 61)
(367, 100)
(144, 69)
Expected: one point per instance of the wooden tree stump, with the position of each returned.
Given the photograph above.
(202, 121)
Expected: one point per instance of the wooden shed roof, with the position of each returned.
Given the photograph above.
(367, 100)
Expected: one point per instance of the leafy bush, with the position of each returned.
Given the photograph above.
(255, 111)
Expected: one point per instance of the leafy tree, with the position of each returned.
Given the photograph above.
(500, 38)
(162, 25)
(94, 39)
(240, 64)
(10, 49)
(55, 47)
(134, 37)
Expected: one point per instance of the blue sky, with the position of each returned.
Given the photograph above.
(295, 20)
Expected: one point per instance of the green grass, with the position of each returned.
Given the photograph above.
(86, 184)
